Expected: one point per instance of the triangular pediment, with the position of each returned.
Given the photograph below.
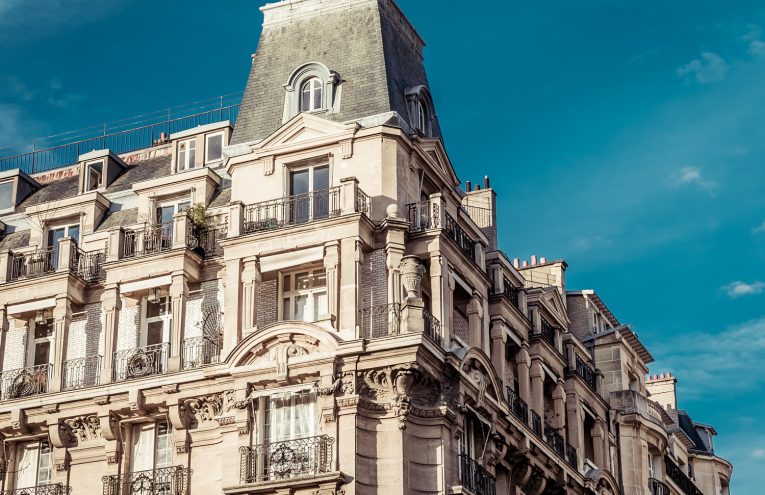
(434, 150)
(553, 301)
(306, 127)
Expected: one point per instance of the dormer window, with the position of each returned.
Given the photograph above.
(421, 110)
(6, 194)
(214, 147)
(94, 178)
(422, 117)
(187, 154)
(310, 95)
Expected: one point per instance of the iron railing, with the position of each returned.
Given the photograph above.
(536, 423)
(459, 236)
(658, 487)
(481, 216)
(200, 351)
(509, 291)
(586, 373)
(172, 480)
(206, 241)
(547, 330)
(423, 215)
(82, 372)
(24, 382)
(88, 264)
(555, 440)
(363, 203)
(572, 456)
(518, 406)
(52, 489)
(33, 264)
(149, 240)
(433, 327)
(292, 210)
(475, 478)
(380, 321)
(680, 479)
(141, 361)
(119, 137)
(287, 459)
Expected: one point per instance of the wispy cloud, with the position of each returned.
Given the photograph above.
(709, 67)
(692, 176)
(759, 229)
(758, 453)
(43, 17)
(739, 289)
(756, 46)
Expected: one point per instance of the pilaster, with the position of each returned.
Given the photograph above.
(62, 316)
(111, 304)
(232, 294)
(251, 279)
(331, 268)
(179, 292)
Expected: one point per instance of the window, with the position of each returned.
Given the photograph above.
(94, 176)
(651, 469)
(42, 342)
(291, 415)
(311, 196)
(213, 147)
(151, 447)
(157, 321)
(304, 295)
(6, 195)
(311, 95)
(35, 466)
(58, 233)
(168, 209)
(422, 117)
(187, 154)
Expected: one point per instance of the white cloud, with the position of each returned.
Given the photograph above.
(759, 229)
(692, 176)
(710, 67)
(739, 288)
(757, 48)
(42, 17)
(758, 453)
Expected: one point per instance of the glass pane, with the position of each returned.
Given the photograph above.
(45, 469)
(94, 175)
(54, 236)
(299, 182)
(163, 455)
(302, 281)
(165, 214)
(42, 353)
(44, 329)
(286, 283)
(154, 332)
(319, 278)
(305, 98)
(6, 191)
(286, 313)
(300, 305)
(183, 206)
(182, 159)
(74, 233)
(316, 95)
(319, 304)
(214, 147)
(320, 178)
(26, 474)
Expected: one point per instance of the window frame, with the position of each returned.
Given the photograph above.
(34, 341)
(312, 91)
(11, 197)
(166, 319)
(422, 116)
(222, 136)
(20, 448)
(312, 426)
(88, 167)
(186, 164)
(310, 294)
(155, 446)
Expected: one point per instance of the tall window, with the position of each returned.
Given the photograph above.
(41, 343)
(422, 117)
(58, 233)
(291, 415)
(213, 147)
(311, 196)
(6, 194)
(152, 446)
(304, 295)
(651, 470)
(94, 177)
(187, 154)
(35, 467)
(311, 95)
(157, 322)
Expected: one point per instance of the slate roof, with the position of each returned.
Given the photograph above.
(364, 44)
(222, 198)
(687, 425)
(54, 191)
(117, 218)
(15, 240)
(152, 168)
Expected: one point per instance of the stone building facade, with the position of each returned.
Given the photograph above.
(305, 301)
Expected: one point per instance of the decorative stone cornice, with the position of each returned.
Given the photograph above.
(84, 428)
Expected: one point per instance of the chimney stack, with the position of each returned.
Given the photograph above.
(542, 260)
(486, 182)
(468, 185)
(533, 259)
(516, 263)
(525, 264)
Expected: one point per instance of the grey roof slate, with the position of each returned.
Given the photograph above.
(364, 44)
(686, 424)
(221, 199)
(54, 191)
(152, 168)
(117, 218)
(15, 240)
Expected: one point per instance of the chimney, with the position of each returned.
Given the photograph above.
(662, 388)
(533, 259)
(516, 263)
(478, 187)
(468, 185)
(542, 260)
(486, 182)
(525, 264)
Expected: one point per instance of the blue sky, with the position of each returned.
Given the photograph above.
(623, 136)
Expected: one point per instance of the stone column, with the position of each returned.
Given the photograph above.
(6, 258)
(331, 268)
(437, 286)
(348, 187)
(559, 405)
(350, 255)
(449, 308)
(599, 444)
(394, 251)
(115, 244)
(181, 228)
(537, 389)
(498, 342)
(65, 248)
(111, 304)
(4, 326)
(523, 361)
(574, 423)
(62, 316)
(232, 296)
(236, 219)
(251, 279)
(475, 317)
(179, 292)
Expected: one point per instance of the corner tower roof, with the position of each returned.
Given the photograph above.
(369, 44)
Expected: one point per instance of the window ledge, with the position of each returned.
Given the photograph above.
(331, 479)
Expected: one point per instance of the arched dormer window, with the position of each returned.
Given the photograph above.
(311, 88)
(311, 95)
(421, 113)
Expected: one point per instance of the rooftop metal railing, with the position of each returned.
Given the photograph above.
(122, 136)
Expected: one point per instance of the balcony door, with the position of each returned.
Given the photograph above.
(41, 343)
(152, 447)
(309, 189)
(291, 423)
(55, 235)
(158, 321)
(35, 466)
(162, 238)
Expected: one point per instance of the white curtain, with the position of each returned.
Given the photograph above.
(291, 415)
(35, 465)
(142, 454)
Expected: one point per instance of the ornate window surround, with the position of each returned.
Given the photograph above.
(330, 80)
(418, 99)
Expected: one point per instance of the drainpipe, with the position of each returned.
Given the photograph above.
(618, 453)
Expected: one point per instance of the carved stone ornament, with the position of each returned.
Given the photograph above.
(205, 409)
(345, 383)
(84, 428)
(412, 272)
(280, 356)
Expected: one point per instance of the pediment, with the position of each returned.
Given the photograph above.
(553, 301)
(434, 150)
(307, 127)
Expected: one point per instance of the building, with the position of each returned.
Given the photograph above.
(295, 296)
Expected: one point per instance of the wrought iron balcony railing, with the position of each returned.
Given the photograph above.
(518, 406)
(680, 479)
(33, 264)
(658, 487)
(380, 321)
(572, 456)
(555, 440)
(423, 215)
(207, 241)
(52, 489)
(547, 331)
(200, 351)
(88, 264)
(510, 292)
(433, 328)
(24, 382)
(149, 240)
(141, 361)
(536, 423)
(363, 203)
(292, 210)
(586, 373)
(459, 236)
(287, 459)
(172, 480)
(82, 372)
(475, 478)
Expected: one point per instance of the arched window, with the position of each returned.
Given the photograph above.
(422, 116)
(311, 95)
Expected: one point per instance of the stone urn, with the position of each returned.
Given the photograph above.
(411, 275)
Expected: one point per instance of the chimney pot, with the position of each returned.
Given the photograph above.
(525, 263)
(533, 259)
(543, 260)
(486, 181)
(468, 185)
(478, 187)
(516, 262)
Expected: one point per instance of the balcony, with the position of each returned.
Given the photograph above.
(547, 331)
(149, 240)
(52, 489)
(459, 236)
(200, 351)
(173, 480)
(303, 457)
(82, 372)
(206, 242)
(433, 328)
(425, 215)
(141, 361)
(88, 265)
(292, 210)
(475, 478)
(536, 423)
(658, 487)
(509, 292)
(680, 479)
(380, 321)
(518, 406)
(555, 441)
(24, 382)
(34, 264)
(586, 373)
